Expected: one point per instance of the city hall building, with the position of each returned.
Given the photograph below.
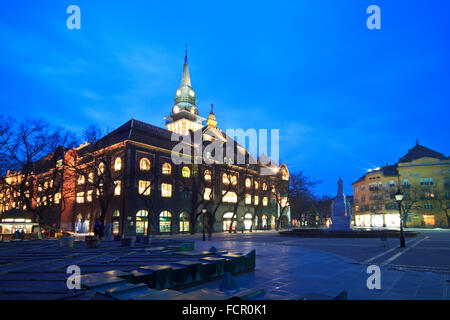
(151, 194)
(422, 175)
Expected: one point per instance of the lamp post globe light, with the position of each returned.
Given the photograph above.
(399, 198)
(203, 214)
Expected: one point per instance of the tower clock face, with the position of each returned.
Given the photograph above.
(176, 109)
(191, 93)
(178, 92)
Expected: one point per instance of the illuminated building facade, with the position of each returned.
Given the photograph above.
(422, 175)
(149, 193)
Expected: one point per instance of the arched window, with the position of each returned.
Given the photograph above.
(207, 175)
(273, 224)
(186, 172)
(141, 222)
(101, 168)
(225, 179)
(248, 221)
(184, 221)
(227, 219)
(144, 164)
(81, 179)
(248, 183)
(264, 222)
(165, 221)
(87, 224)
(284, 174)
(118, 164)
(166, 168)
(115, 222)
(264, 186)
(78, 223)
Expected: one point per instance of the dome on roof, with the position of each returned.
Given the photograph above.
(211, 118)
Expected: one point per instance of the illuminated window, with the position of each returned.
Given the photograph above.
(228, 221)
(144, 164)
(186, 172)
(57, 198)
(165, 221)
(248, 199)
(117, 188)
(81, 180)
(101, 168)
(429, 220)
(144, 187)
(207, 175)
(141, 222)
(256, 185)
(264, 186)
(166, 190)
(118, 164)
(166, 168)
(89, 196)
(256, 200)
(91, 177)
(283, 201)
(229, 196)
(184, 222)
(264, 221)
(116, 222)
(80, 197)
(265, 201)
(248, 183)
(284, 175)
(207, 194)
(226, 179)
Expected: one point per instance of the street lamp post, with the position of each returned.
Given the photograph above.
(399, 198)
(203, 214)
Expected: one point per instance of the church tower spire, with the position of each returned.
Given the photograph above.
(184, 116)
(185, 78)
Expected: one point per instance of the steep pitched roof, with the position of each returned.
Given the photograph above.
(136, 131)
(420, 151)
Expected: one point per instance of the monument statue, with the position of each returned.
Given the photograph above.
(340, 210)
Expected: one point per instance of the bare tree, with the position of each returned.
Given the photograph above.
(99, 171)
(295, 190)
(30, 167)
(441, 198)
(92, 134)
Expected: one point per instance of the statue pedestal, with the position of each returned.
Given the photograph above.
(340, 223)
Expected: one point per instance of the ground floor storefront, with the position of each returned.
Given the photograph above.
(413, 220)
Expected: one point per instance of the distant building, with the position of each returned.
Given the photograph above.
(422, 175)
(149, 193)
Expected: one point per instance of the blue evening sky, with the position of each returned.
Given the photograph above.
(345, 98)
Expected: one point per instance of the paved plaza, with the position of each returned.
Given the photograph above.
(286, 267)
(291, 268)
